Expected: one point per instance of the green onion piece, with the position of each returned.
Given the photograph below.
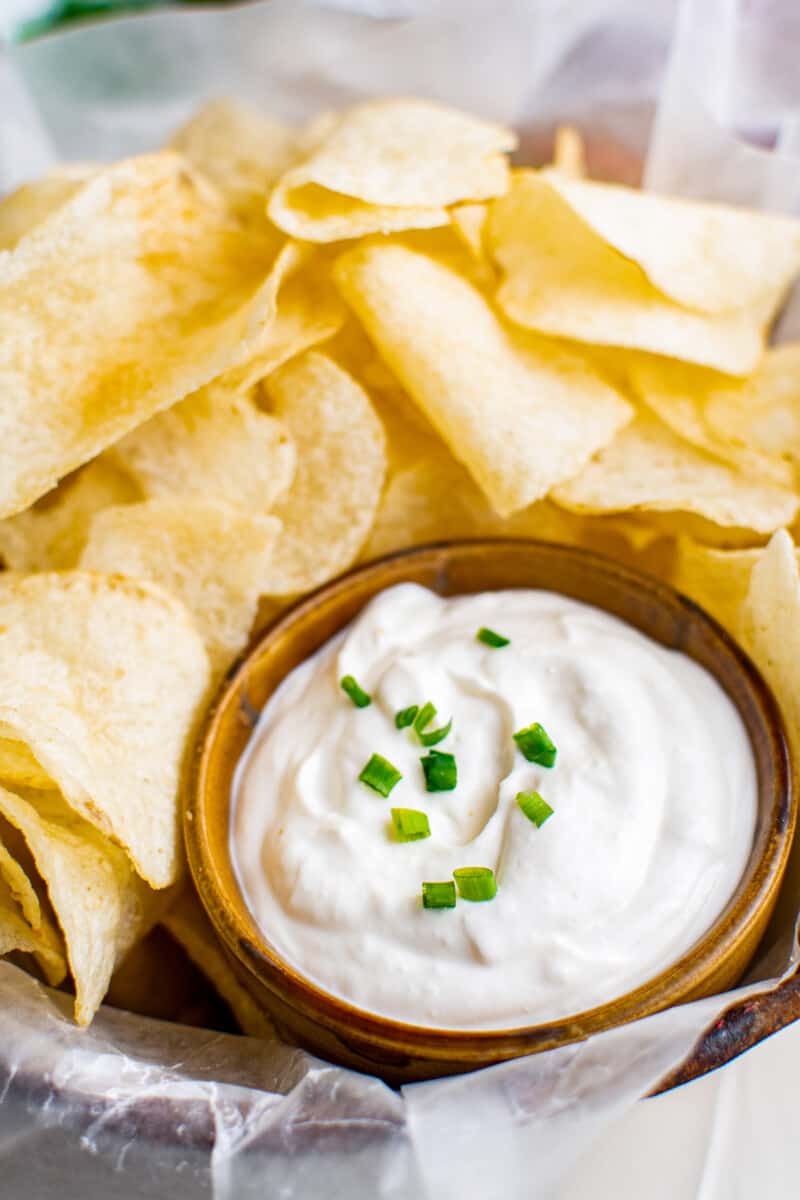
(490, 638)
(536, 745)
(410, 824)
(380, 775)
(424, 716)
(439, 895)
(441, 773)
(405, 717)
(436, 735)
(535, 808)
(476, 883)
(360, 698)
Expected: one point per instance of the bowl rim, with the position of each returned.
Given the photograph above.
(250, 949)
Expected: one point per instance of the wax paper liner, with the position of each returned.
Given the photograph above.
(134, 1107)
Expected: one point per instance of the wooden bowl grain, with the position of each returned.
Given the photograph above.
(401, 1052)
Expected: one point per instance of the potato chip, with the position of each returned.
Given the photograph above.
(681, 395)
(17, 934)
(648, 467)
(137, 291)
(103, 678)
(716, 579)
(389, 165)
(50, 535)
(216, 444)
(101, 904)
(243, 151)
(710, 257)
(341, 464)
(569, 153)
(19, 876)
(561, 278)
(521, 413)
(213, 557)
(770, 625)
(761, 414)
(18, 766)
(28, 205)
(191, 928)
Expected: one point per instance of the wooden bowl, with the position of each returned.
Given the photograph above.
(401, 1052)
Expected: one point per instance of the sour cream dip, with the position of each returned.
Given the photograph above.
(653, 793)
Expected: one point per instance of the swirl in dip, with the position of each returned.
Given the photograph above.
(653, 795)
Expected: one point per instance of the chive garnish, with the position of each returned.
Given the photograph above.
(535, 744)
(441, 773)
(424, 716)
(439, 895)
(405, 716)
(476, 883)
(436, 735)
(410, 825)
(536, 809)
(380, 775)
(490, 638)
(360, 698)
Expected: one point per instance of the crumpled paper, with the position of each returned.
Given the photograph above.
(133, 1107)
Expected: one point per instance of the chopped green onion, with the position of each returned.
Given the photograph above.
(441, 773)
(536, 745)
(490, 638)
(405, 716)
(476, 883)
(410, 824)
(439, 895)
(380, 775)
(360, 698)
(424, 716)
(436, 735)
(535, 808)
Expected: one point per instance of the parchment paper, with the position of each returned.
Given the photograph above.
(133, 1107)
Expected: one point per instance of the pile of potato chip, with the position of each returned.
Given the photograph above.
(232, 368)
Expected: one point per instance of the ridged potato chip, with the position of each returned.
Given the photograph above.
(216, 444)
(711, 257)
(388, 165)
(50, 535)
(243, 151)
(188, 924)
(24, 208)
(521, 413)
(561, 278)
(101, 904)
(103, 678)
(716, 579)
(647, 467)
(341, 463)
(770, 625)
(137, 291)
(682, 396)
(213, 557)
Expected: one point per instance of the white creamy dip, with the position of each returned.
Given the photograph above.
(653, 792)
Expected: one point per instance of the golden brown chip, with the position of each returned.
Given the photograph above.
(390, 165)
(191, 928)
(137, 291)
(101, 904)
(648, 467)
(217, 445)
(710, 257)
(50, 535)
(213, 557)
(770, 625)
(242, 150)
(683, 396)
(341, 464)
(561, 278)
(103, 679)
(716, 579)
(28, 205)
(521, 413)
